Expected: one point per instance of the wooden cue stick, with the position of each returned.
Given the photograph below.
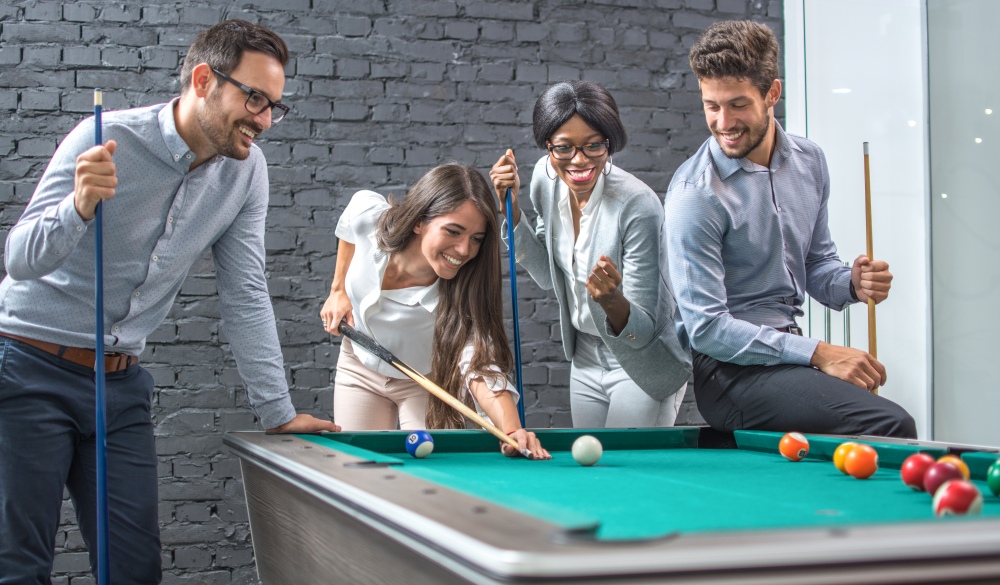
(872, 342)
(442, 394)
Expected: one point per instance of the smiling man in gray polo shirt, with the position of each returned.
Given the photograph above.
(176, 179)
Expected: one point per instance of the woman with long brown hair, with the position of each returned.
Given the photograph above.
(422, 277)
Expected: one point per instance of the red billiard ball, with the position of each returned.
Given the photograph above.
(913, 470)
(861, 462)
(958, 497)
(794, 446)
(938, 474)
(993, 477)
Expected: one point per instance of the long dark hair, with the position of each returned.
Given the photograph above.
(470, 306)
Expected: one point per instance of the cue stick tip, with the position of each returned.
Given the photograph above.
(98, 97)
(866, 148)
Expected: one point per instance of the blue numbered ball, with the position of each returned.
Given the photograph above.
(420, 444)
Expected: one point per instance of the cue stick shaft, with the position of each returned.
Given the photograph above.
(513, 304)
(385, 355)
(103, 551)
(872, 341)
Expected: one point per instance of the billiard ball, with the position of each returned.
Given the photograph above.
(793, 446)
(938, 474)
(957, 462)
(841, 454)
(420, 444)
(958, 497)
(861, 462)
(587, 450)
(913, 470)
(993, 477)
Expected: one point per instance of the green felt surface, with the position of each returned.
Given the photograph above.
(637, 493)
(979, 463)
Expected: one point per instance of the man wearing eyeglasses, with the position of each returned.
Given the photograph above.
(175, 179)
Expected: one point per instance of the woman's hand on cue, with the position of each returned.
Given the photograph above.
(504, 174)
(525, 440)
(871, 278)
(336, 308)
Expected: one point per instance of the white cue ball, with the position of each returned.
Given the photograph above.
(587, 450)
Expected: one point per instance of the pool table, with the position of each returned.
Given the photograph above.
(678, 505)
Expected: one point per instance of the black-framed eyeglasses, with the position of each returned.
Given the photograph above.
(568, 151)
(257, 102)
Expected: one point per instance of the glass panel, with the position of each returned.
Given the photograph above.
(965, 217)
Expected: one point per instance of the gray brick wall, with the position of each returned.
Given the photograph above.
(381, 92)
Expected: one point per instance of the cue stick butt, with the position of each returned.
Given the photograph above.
(870, 252)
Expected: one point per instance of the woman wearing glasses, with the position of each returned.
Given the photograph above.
(596, 241)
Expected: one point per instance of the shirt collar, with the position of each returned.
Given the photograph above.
(727, 166)
(562, 195)
(428, 298)
(180, 154)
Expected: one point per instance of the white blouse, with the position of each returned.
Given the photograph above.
(401, 320)
(571, 257)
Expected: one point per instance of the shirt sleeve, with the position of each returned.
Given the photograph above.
(494, 378)
(360, 219)
(247, 314)
(695, 227)
(827, 279)
(50, 227)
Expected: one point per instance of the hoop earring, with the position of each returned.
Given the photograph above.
(547, 166)
(607, 167)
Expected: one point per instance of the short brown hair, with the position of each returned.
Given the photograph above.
(222, 46)
(740, 49)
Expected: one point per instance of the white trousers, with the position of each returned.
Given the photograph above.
(602, 395)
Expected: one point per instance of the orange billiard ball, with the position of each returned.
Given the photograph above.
(793, 446)
(861, 462)
(840, 455)
(957, 462)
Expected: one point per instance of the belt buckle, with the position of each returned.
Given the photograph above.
(795, 330)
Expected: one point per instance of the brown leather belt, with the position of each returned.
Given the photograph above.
(113, 362)
(794, 330)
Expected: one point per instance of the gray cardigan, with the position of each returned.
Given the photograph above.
(627, 230)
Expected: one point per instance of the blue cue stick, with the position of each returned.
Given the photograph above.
(513, 303)
(103, 556)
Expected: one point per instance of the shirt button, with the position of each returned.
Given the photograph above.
(115, 328)
(177, 157)
(137, 293)
(156, 258)
(170, 219)
(79, 229)
(779, 208)
(187, 155)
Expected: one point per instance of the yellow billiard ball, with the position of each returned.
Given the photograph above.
(840, 455)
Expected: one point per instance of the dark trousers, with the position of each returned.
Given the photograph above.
(47, 441)
(792, 398)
